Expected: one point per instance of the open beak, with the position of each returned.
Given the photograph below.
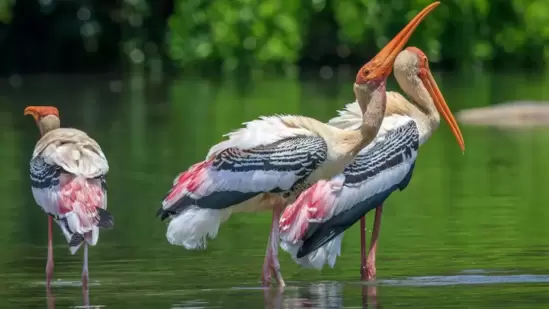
(442, 107)
(383, 61)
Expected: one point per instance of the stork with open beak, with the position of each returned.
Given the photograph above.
(267, 164)
(312, 227)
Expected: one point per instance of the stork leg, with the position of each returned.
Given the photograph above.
(271, 264)
(85, 291)
(49, 264)
(50, 298)
(371, 261)
(363, 248)
(275, 264)
(85, 267)
(266, 273)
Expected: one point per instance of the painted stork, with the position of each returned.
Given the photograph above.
(67, 172)
(312, 227)
(265, 165)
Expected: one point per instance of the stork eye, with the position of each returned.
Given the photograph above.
(366, 71)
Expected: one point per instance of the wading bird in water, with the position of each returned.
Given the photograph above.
(265, 165)
(67, 172)
(312, 227)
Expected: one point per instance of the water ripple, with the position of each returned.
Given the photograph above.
(466, 280)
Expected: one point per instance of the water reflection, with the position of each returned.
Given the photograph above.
(274, 298)
(321, 295)
(317, 295)
(468, 280)
(469, 217)
(369, 297)
(50, 298)
(325, 295)
(86, 296)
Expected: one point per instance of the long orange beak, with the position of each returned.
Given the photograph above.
(442, 107)
(382, 64)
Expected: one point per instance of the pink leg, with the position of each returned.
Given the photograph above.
(85, 293)
(49, 265)
(85, 268)
(371, 262)
(363, 248)
(275, 264)
(86, 298)
(50, 298)
(271, 264)
(266, 273)
(369, 296)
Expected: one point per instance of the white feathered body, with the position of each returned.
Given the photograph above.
(266, 163)
(312, 227)
(68, 171)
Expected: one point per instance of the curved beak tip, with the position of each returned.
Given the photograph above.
(30, 111)
(388, 54)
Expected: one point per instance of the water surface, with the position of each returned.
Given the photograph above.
(470, 231)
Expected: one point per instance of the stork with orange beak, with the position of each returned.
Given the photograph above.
(312, 227)
(67, 172)
(267, 164)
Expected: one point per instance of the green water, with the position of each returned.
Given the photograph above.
(470, 231)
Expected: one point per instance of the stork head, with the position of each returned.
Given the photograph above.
(46, 117)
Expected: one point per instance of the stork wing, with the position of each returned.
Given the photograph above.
(74, 151)
(330, 207)
(67, 174)
(234, 175)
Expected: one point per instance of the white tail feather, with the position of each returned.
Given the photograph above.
(75, 249)
(93, 236)
(326, 254)
(191, 227)
(90, 237)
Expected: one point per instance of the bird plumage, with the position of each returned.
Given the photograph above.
(273, 159)
(312, 227)
(317, 219)
(67, 171)
(233, 175)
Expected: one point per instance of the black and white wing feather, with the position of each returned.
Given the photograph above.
(328, 208)
(235, 175)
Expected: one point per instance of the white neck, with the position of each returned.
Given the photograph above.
(347, 143)
(427, 121)
(421, 108)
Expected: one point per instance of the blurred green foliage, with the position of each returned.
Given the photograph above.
(5, 11)
(237, 33)
(243, 34)
(458, 34)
